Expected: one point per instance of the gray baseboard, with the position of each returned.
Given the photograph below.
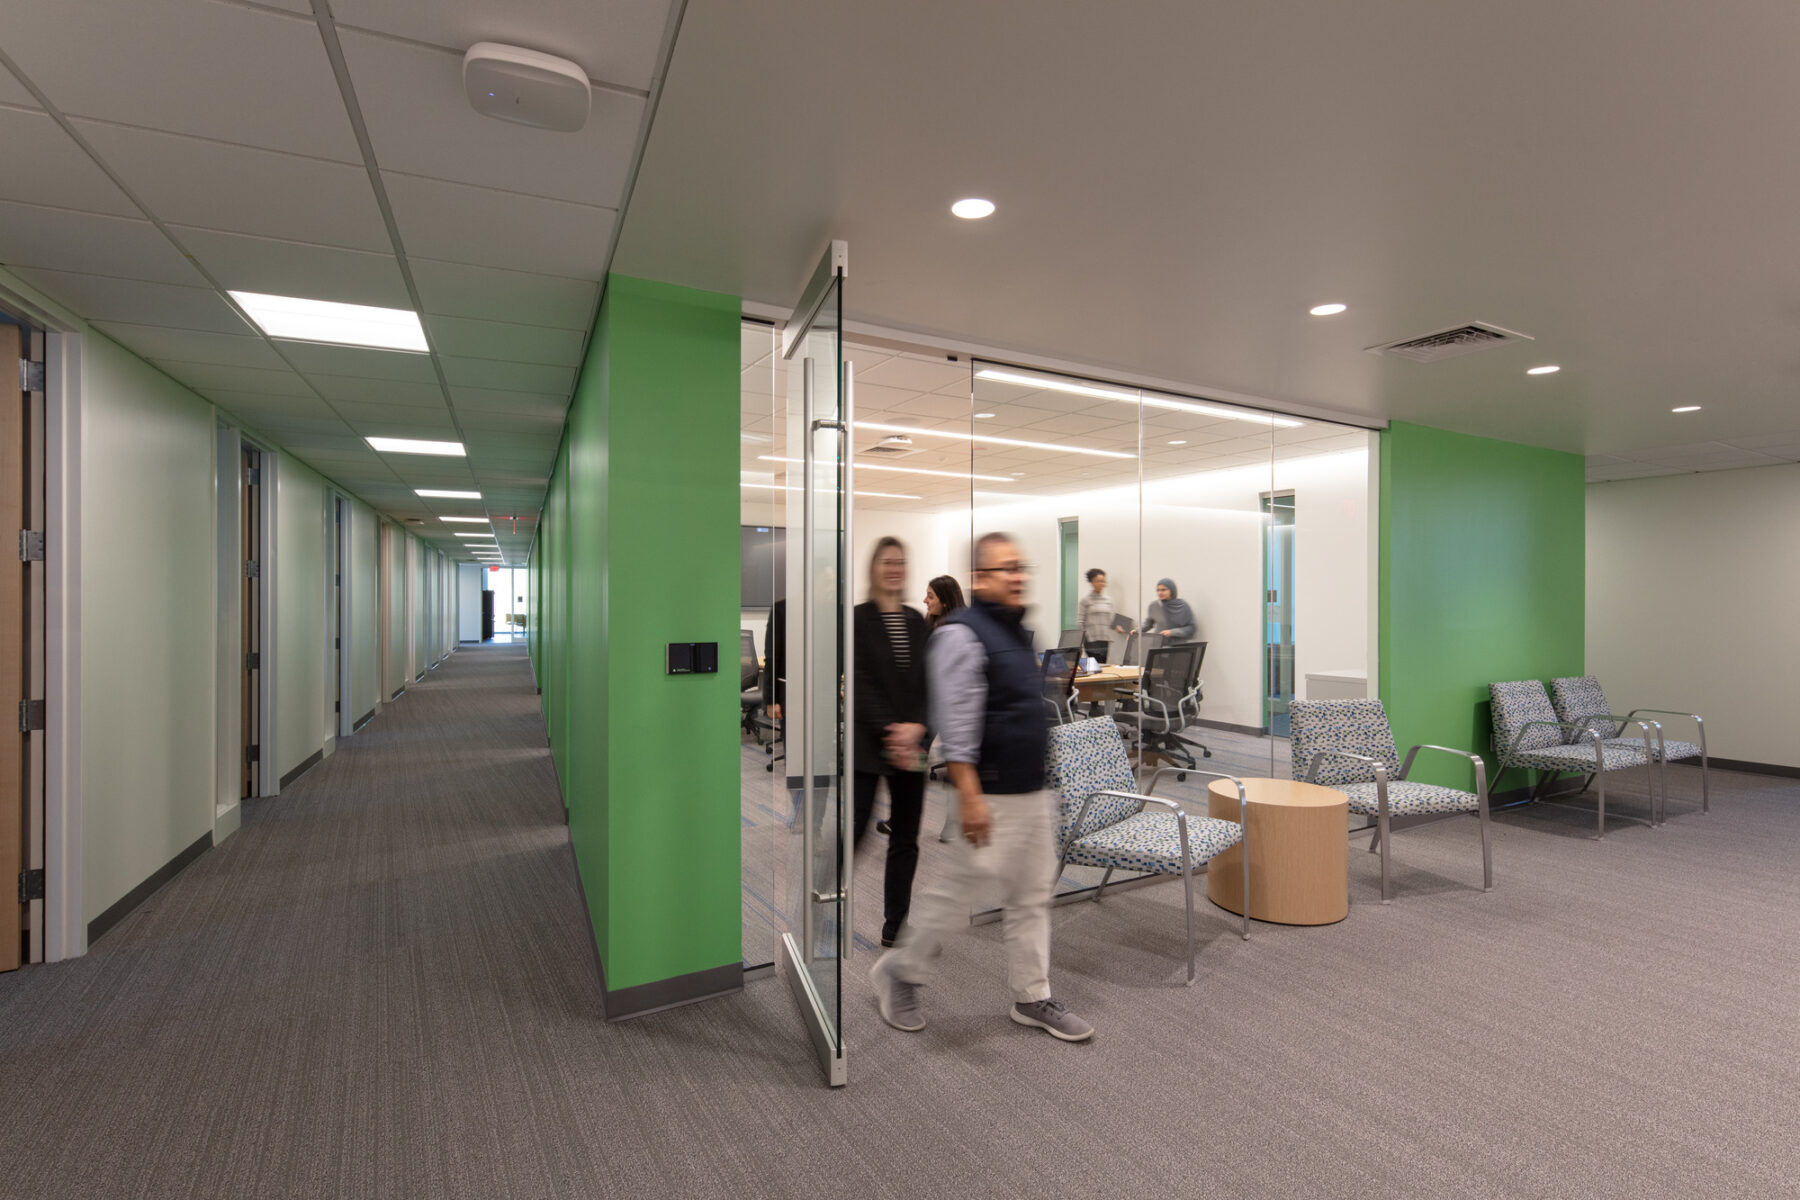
(312, 760)
(1227, 726)
(1739, 764)
(118, 912)
(363, 720)
(647, 998)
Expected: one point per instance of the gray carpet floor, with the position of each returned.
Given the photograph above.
(382, 986)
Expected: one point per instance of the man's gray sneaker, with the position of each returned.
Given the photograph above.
(897, 999)
(1052, 1017)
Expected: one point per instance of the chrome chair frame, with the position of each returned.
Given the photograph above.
(1508, 758)
(1383, 834)
(1145, 799)
(1663, 760)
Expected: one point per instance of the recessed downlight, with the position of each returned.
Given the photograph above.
(294, 319)
(441, 494)
(973, 208)
(388, 445)
(1544, 370)
(1327, 310)
(1686, 408)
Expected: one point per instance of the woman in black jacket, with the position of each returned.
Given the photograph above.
(891, 716)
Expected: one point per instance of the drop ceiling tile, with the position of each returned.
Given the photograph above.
(457, 290)
(489, 400)
(378, 391)
(376, 420)
(186, 345)
(1079, 424)
(224, 71)
(208, 377)
(485, 227)
(421, 123)
(465, 338)
(264, 402)
(252, 264)
(918, 375)
(34, 236)
(358, 362)
(45, 166)
(237, 189)
(525, 377)
(100, 298)
(478, 421)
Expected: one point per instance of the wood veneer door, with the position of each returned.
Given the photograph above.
(14, 431)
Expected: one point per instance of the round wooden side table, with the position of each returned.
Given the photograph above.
(1299, 852)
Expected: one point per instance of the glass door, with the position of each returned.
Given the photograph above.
(1278, 611)
(819, 416)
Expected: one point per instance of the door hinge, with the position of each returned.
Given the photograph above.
(337, 643)
(252, 754)
(255, 476)
(252, 569)
(337, 706)
(31, 885)
(253, 661)
(31, 546)
(31, 376)
(31, 716)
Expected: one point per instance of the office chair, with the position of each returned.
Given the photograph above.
(1059, 683)
(1070, 640)
(1166, 703)
(750, 686)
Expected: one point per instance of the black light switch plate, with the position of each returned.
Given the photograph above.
(693, 658)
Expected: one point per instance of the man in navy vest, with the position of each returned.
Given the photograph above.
(986, 693)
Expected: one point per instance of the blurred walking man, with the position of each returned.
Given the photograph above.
(986, 690)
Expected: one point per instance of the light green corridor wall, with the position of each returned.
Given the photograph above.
(1482, 581)
(301, 574)
(638, 548)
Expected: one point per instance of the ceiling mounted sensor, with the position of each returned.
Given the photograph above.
(1448, 343)
(526, 87)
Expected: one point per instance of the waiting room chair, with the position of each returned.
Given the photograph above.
(1166, 702)
(1349, 746)
(1529, 735)
(1580, 699)
(1102, 819)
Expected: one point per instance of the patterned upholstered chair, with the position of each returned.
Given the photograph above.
(1581, 700)
(1348, 745)
(1104, 821)
(1529, 735)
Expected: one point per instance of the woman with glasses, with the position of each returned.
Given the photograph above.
(891, 717)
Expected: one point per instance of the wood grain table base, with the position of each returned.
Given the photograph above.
(1299, 852)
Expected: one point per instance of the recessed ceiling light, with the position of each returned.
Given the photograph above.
(440, 494)
(1057, 383)
(415, 446)
(995, 441)
(1686, 408)
(973, 209)
(1327, 310)
(1178, 442)
(465, 520)
(294, 319)
(1548, 370)
(984, 416)
(863, 466)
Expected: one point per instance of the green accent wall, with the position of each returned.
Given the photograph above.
(638, 547)
(1483, 580)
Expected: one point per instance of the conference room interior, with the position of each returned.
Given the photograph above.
(1265, 523)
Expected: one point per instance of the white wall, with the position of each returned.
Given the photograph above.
(302, 578)
(1691, 581)
(468, 601)
(148, 608)
(365, 612)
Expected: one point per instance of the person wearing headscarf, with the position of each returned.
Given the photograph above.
(1170, 619)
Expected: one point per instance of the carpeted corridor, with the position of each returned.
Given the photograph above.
(383, 986)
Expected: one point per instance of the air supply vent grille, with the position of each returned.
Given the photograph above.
(1448, 343)
(895, 446)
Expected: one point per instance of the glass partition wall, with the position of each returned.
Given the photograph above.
(1260, 523)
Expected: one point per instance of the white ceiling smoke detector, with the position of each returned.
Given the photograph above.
(526, 87)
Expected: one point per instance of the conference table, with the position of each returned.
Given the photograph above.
(1099, 686)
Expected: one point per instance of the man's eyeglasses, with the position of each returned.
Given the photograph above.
(1008, 569)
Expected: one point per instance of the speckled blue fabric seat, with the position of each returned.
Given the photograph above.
(1104, 821)
(1580, 700)
(1529, 734)
(1349, 745)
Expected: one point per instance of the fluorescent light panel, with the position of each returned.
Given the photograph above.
(465, 520)
(993, 441)
(461, 534)
(388, 445)
(863, 466)
(440, 494)
(1056, 383)
(294, 319)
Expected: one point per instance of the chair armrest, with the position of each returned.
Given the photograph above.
(1312, 768)
(1699, 723)
(1481, 789)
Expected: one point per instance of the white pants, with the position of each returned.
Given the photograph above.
(1021, 858)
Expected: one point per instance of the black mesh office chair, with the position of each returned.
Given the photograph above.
(1167, 702)
(1059, 683)
(750, 684)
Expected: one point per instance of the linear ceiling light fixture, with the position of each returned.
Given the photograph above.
(415, 446)
(441, 494)
(488, 536)
(1057, 383)
(297, 320)
(994, 441)
(863, 466)
(776, 487)
(465, 520)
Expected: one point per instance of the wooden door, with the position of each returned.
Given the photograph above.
(13, 669)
